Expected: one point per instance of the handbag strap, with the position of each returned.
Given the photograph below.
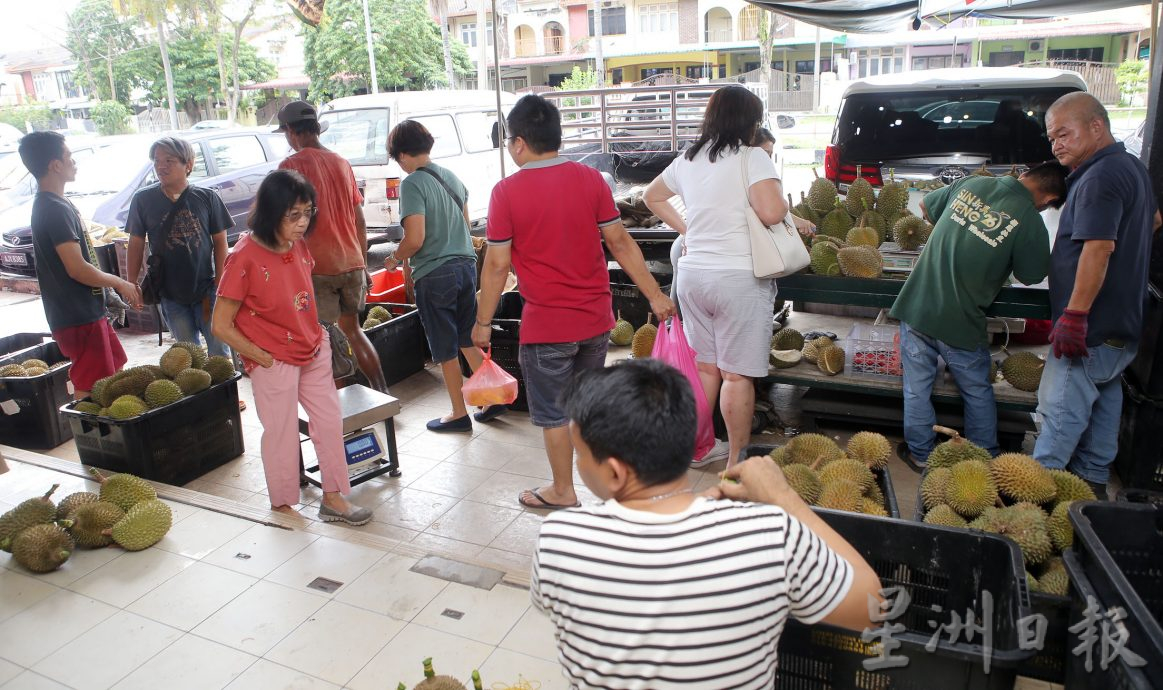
(459, 203)
(743, 153)
(179, 204)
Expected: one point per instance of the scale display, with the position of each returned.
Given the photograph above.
(362, 449)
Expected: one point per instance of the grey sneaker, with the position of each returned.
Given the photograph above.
(718, 452)
(356, 516)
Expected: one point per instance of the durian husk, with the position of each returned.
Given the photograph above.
(1021, 478)
(970, 489)
(42, 548)
(871, 448)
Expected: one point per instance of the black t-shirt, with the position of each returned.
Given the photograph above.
(67, 303)
(1109, 198)
(187, 250)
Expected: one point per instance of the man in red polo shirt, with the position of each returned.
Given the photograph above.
(338, 242)
(548, 221)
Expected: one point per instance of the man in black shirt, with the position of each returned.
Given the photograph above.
(72, 288)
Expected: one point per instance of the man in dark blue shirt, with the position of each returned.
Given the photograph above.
(1098, 283)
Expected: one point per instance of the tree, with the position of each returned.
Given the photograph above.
(578, 80)
(440, 9)
(195, 68)
(153, 12)
(767, 31)
(1132, 77)
(110, 117)
(406, 42)
(96, 38)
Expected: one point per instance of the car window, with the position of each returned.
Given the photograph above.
(279, 147)
(444, 132)
(233, 153)
(111, 169)
(360, 136)
(1007, 125)
(477, 129)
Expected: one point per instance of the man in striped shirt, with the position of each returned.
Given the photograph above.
(660, 588)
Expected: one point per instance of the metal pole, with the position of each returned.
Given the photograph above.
(497, 67)
(371, 54)
(1154, 35)
(599, 60)
(483, 48)
(816, 75)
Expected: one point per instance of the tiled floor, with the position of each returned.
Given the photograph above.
(223, 602)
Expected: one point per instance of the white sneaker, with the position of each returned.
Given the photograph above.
(719, 451)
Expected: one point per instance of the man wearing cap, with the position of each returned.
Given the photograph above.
(339, 240)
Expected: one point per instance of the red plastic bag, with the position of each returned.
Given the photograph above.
(671, 346)
(489, 385)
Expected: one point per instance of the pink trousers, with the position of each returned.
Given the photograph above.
(277, 394)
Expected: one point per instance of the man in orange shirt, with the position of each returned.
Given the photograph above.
(338, 241)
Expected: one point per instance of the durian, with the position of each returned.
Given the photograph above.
(822, 194)
(123, 490)
(785, 359)
(35, 371)
(872, 219)
(982, 171)
(34, 364)
(175, 360)
(805, 211)
(824, 259)
(893, 198)
(379, 313)
(778, 455)
(942, 514)
(643, 342)
(933, 486)
(220, 369)
(910, 232)
(970, 489)
(92, 521)
(34, 511)
(807, 449)
(870, 448)
(871, 507)
(837, 223)
(87, 407)
(861, 197)
(623, 333)
(1023, 370)
(830, 360)
(804, 481)
(812, 348)
(42, 548)
(1054, 579)
(841, 495)
(1021, 478)
(162, 392)
(1026, 525)
(12, 371)
(127, 406)
(1071, 487)
(192, 381)
(849, 469)
(864, 237)
(955, 450)
(73, 501)
(97, 393)
(860, 262)
(787, 339)
(197, 353)
(143, 525)
(1059, 527)
(370, 323)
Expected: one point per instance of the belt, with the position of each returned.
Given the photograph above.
(1114, 342)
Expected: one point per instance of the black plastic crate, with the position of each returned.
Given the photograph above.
(400, 343)
(36, 423)
(1119, 547)
(1049, 662)
(943, 571)
(629, 300)
(1117, 675)
(1140, 458)
(174, 444)
(883, 480)
(505, 344)
(1147, 367)
(17, 343)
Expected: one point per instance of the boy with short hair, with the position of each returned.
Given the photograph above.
(72, 288)
(657, 587)
(548, 220)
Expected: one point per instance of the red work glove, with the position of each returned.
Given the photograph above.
(1069, 334)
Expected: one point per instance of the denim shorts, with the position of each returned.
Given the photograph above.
(446, 300)
(548, 367)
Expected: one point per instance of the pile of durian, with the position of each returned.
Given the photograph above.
(183, 370)
(1012, 495)
(788, 348)
(41, 536)
(849, 231)
(828, 476)
(29, 368)
(641, 341)
(376, 316)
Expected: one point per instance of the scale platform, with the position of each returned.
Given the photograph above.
(361, 409)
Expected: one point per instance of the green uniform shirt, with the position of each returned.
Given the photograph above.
(445, 232)
(986, 228)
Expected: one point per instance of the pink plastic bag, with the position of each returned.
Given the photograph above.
(489, 385)
(671, 346)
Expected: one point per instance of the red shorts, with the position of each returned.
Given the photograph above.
(94, 349)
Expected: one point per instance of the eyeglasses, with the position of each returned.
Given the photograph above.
(296, 216)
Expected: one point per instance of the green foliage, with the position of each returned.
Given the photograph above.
(195, 67)
(1132, 77)
(110, 117)
(19, 116)
(578, 80)
(96, 35)
(408, 51)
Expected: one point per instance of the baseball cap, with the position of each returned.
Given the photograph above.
(298, 111)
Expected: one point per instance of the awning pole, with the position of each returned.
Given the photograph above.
(1154, 34)
(497, 69)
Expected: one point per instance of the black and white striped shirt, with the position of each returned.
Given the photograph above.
(695, 599)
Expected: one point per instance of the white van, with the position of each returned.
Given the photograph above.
(463, 123)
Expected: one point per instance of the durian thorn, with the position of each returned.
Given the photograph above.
(50, 492)
(97, 475)
(951, 433)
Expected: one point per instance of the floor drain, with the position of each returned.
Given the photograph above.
(453, 614)
(324, 585)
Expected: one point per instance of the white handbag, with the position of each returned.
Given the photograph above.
(776, 251)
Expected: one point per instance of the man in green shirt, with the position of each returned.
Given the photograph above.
(986, 228)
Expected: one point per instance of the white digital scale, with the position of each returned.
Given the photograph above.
(362, 449)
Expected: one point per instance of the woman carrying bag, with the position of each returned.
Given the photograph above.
(726, 309)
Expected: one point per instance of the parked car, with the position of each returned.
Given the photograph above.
(944, 123)
(463, 123)
(1134, 140)
(232, 162)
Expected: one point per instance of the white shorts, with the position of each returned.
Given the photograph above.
(727, 316)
